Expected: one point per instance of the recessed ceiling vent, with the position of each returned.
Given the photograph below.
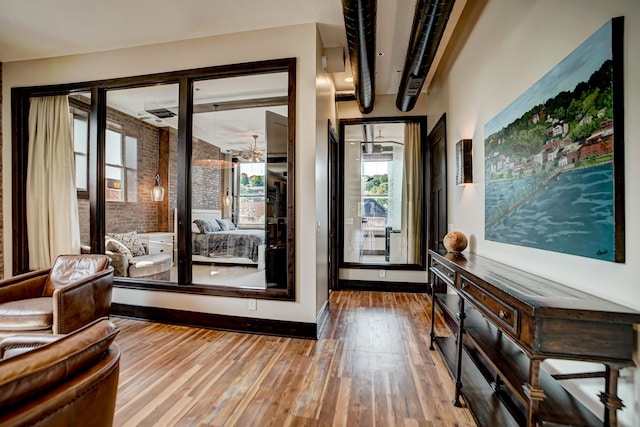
(414, 86)
(161, 113)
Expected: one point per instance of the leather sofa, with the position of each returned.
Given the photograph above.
(67, 380)
(75, 291)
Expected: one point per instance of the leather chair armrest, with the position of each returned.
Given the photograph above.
(18, 344)
(119, 263)
(80, 303)
(23, 286)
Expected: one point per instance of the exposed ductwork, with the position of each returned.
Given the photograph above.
(367, 138)
(360, 25)
(429, 22)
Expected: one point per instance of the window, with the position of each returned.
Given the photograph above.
(81, 150)
(120, 168)
(252, 194)
(375, 177)
(114, 171)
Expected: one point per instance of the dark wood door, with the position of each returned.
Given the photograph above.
(333, 207)
(438, 184)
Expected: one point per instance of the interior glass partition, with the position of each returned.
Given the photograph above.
(238, 181)
(140, 166)
(150, 151)
(382, 193)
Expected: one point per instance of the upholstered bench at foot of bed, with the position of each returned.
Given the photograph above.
(149, 266)
(152, 266)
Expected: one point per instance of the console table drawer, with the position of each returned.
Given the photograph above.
(490, 305)
(444, 272)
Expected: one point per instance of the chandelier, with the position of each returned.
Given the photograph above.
(253, 154)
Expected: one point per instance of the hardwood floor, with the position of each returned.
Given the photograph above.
(370, 367)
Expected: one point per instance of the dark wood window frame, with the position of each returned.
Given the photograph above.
(82, 110)
(97, 125)
(421, 265)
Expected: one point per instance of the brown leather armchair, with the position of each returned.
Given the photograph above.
(73, 292)
(67, 380)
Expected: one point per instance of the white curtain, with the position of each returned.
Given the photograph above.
(411, 192)
(52, 205)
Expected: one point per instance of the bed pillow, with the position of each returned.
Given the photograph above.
(131, 241)
(115, 246)
(207, 225)
(226, 224)
(195, 228)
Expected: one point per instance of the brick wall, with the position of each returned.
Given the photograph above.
(207, 184)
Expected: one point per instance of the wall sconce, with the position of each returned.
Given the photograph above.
(157, 192)
(227, 198)
(464, 162)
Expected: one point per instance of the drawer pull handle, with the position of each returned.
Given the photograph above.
(503, 314)
(450, 275)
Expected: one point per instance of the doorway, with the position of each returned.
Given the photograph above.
(333, 190)
(378, 193)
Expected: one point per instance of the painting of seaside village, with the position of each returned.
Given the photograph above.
(549, 158)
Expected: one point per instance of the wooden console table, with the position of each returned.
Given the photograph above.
(506, 322)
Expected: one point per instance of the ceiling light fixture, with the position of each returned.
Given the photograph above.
(253, 154)
(348, 79)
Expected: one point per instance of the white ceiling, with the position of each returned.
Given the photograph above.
(228, 130)
(31, 29)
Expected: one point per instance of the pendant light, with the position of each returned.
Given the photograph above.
(227, 198)
(157, 192)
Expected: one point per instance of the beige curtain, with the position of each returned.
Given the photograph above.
(411, 192)
(52, 205)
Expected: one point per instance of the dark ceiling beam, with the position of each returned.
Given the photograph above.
(429, 23)
(360, 25)
(211, 107)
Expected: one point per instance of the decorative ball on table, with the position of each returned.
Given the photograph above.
(455, 241)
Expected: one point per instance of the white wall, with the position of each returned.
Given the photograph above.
(384, 106)
(295, 41)
(326, 110)
(512, 45)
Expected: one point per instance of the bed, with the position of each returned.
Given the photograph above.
(239, 246)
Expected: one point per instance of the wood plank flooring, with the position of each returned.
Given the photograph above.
(370, 367)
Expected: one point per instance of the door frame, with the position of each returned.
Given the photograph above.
(333, 192)
(438, 132)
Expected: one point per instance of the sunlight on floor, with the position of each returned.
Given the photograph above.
(237, 276)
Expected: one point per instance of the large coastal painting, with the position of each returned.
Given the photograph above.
(554, 157)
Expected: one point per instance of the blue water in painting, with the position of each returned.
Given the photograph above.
(574, 215)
